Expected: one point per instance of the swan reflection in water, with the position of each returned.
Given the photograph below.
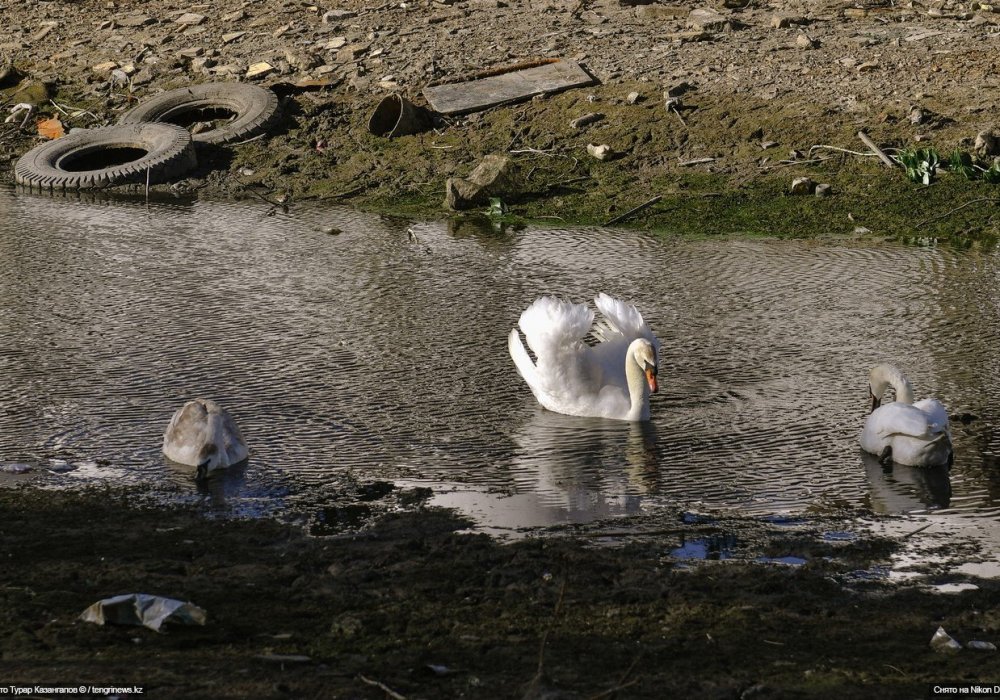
(902, 489)
(586, 468)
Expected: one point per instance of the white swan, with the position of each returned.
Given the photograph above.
(914, 434)
(610, 379)
(202, 434)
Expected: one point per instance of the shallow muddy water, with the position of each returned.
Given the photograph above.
(380, 354)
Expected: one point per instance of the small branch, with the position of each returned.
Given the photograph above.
(840, 150)
(383, 687)
(632, 212)
(878, 151)
(919, 529)
(611, 691)
(696, 161)
(683, 123)
(952, 211)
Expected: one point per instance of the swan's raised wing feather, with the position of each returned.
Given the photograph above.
(622, 320)
(551, 325)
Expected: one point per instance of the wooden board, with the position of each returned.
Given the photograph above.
(509, 86)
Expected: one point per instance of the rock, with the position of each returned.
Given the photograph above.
(868, 66)
(8, 73)
(803, 185)
(352, 52)
(586, 119)
(780, 22)
(143, 77)
(332, 16)
(917, 116)
(493, 177)
(678, 89)
(231, 37)
(46, 28)
(690, 37)
(191, 53)
(707, 20)
(134, 21)
(659, 13)
(337, 42)
(105, 67)
(602, 152)
(203, 64)
(803, 41)
(259, 70)
(981, 646)
(633, 97)
(823, 190)
(987, 144)
(190, 19)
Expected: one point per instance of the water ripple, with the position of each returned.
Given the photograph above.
(383, 354)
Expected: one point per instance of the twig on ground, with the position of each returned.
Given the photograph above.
(683, 123)
(878, 151)
(348, 193)
(963, 206)
(919, 529)
(539, 672)
(611, 691)
(635, 210)
(570, 181)
(841, 150)
(383, 687)
(621, 685)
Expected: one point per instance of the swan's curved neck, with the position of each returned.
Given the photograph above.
(884, 376)
(638, 388)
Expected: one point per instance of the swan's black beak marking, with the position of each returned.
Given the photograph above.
(202, 472)
(876, 402)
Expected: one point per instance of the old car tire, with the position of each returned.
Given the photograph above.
(111, 155)
(254, 110)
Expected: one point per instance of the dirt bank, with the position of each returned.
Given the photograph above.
(760, 88)
(429, 612)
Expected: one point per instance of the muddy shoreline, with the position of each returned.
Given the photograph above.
(419, 605)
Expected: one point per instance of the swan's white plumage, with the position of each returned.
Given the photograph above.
(203, 434)
(573, 377)
(917, 433)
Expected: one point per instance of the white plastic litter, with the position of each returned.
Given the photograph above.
(141, 609)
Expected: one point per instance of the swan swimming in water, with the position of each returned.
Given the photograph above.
(202, 434)
(914, 434)
(610, 379)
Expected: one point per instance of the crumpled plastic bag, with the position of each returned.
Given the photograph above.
(942, 641)
(142, 609)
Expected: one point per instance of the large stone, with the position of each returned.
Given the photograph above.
(190, 19)
(707, 20)
(659, 13)
(987, 144)
(803, 185)
(493, 177)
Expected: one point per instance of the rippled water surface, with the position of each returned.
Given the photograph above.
(380, 355)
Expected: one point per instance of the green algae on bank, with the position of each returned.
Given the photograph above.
(743, 190)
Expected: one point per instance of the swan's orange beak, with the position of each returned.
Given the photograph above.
(651, 379)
